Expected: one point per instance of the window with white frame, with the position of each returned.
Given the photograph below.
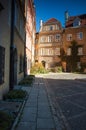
(80, 51)
(69, 51)
(57, 51)
(80, 35)
(50, 38)
(57, 37)
(57, 27)
(41, 51)
(51, 52)
(69, 37)
(43, 39)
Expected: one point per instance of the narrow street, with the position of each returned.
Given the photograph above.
(67, 94)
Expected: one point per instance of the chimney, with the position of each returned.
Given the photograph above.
(66, 16)
(41, 25)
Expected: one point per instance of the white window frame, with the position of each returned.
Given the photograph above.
(69, 37)
(57, 51)
(50, 38)
(69, 51)
(80, 51)
(80, 35)
(57, 27)
(43, 39)
(58, 37)
(51, 52)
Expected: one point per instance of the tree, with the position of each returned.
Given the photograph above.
(62, 54)
(74, 55)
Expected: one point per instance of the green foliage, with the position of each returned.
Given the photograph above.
(74, 52)
(56, 69)
(15, 94)
(38, 68)
(83, 67)
(28, 80)
(5, 121)
(62, 54)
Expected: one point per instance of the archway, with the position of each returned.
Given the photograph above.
(43, 63)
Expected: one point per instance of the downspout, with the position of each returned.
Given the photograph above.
(11, 74)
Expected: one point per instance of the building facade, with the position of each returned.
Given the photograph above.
(12, 43)
(30, 34)
(54, 43)
(75, 30)
(48, 43)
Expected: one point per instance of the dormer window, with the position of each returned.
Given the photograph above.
(76, 22)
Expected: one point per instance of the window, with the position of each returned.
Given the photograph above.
(51, 52)
(57, 51)
(57, 37)
(76, 22)
(69, 37)
(57, 27)
(43, 39)
(69, 51)
(80, 35)
(51, 28)
(42, 51)
(50, 38)
(2, 63)
(80, 51)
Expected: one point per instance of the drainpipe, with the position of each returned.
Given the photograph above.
(11, 78)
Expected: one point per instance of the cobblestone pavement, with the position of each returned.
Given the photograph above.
(67, 93)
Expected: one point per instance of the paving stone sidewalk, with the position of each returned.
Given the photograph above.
(37, 113)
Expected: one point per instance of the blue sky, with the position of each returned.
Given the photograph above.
(46, 9)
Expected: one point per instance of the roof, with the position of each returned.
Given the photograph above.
(52, 20)
(69, 23)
